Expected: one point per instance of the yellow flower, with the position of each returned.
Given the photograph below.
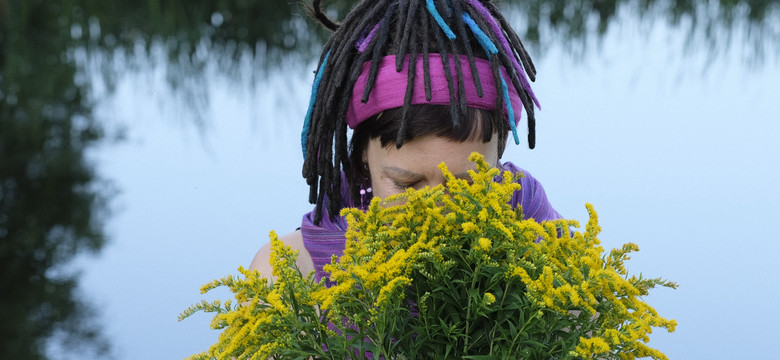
(592, 346)
(488, 298)
(391, 291)
(470, 227)
(484, 244)
(275, 300)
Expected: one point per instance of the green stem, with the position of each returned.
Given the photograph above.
(468, 308)
(500, 306)
(514, 340)
(419, 312)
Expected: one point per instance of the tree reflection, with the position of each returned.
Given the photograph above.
(276, 29)
(51, 203)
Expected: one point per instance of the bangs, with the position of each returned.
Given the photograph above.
(434, 120)
(425, 120)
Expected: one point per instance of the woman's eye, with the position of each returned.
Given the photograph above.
(403, 186)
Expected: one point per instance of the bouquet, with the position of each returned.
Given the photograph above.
(445, 272)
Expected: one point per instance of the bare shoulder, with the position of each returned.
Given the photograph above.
(295, 241)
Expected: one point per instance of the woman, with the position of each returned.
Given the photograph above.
(420, 82)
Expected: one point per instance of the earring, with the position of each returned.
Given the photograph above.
(365, 195)
(365, 192)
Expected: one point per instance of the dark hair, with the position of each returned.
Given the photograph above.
(429, 120)
(404, 27)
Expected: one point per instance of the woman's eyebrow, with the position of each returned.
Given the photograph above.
(403, 172)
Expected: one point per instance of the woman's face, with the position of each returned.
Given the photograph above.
(416, 163)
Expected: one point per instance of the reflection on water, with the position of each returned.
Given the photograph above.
(669, 157)
(52, 204)
(194, 203)
(211, 161)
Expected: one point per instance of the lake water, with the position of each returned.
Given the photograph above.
(678, 154)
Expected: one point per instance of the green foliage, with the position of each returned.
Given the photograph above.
(51, 202)
(279, 24)
(198, 34)
(280, 27)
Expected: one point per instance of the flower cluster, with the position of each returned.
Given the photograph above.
(262, 320)
(446, 272)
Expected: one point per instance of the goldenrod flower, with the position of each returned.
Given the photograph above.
(592, 346)
(488, 298)
(449, 271)
(484, 244)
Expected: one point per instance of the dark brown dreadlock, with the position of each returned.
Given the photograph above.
(376, 28)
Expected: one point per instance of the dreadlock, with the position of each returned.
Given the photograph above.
(376, 28)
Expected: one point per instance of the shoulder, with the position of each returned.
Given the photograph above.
(295, 241)
(525, 177)
(531, 196)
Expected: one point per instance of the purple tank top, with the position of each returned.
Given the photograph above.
(327, 239)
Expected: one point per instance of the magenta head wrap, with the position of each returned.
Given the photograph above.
(390, 87)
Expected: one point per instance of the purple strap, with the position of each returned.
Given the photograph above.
(363, 42)
(327, 239)
(531, 197)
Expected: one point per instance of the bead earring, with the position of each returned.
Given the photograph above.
(365, 192)
(365, 195)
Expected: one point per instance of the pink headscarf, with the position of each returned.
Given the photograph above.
(390, 87)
